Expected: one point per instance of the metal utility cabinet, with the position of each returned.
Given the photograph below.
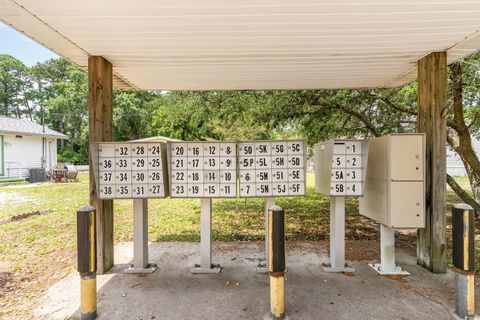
(394, 193)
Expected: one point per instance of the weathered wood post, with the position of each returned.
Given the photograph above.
(432, 113)
(100, 129)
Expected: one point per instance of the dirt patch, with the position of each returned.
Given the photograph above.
(7, 283)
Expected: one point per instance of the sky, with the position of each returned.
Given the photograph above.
(21, 47)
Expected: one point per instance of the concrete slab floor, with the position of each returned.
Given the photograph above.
(239, 292)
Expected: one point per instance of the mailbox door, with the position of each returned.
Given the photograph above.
(407, 208)
(406, 157)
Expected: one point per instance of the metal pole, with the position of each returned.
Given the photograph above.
(337, 237)
(276, 264)
(387, 249)
(337, 232)
(140, 233)
(87, 262)
(206, 234)
(206, 265)
(463, 247)
(140, 239)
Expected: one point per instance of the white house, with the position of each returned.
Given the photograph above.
(454, 164)
(25, 144)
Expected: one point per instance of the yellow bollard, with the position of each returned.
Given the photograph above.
(463, 246)
(87, 262)
(276, 262)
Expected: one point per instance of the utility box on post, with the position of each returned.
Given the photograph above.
(394, 186)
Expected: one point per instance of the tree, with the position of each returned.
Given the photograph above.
(15, 85)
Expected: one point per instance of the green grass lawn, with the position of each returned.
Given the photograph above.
(40, 250)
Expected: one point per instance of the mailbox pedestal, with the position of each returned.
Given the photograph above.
(337, 237)
(140, 239)
(387, 265)
(206, 265)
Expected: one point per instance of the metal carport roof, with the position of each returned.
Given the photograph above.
(269, 44)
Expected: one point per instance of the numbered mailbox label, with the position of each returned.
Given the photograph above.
(155, 190)
(139, 150)
(296, 188)
(139, 177)
(195, 190)
(179, 190)
(194, 163)
(279, 148)
(211, 149)
(227, 149)
(107, 177)
(211, 190)
(107, 164)
(139, 163)
(123, 164)
(276, 165)
(122, 150)
(295, 162)
(347, 168)
(262, 176)
(140, 190)
(195, 177)
(127, 166)
(123, 177)
(282, 174)
(123, 191)
(211, 163)
(155, 176)
(354, 188)
(247, 176)
(107, 192)
(228, 176)
(354, 161)
(338, 175)
(279, 162)
(178, 176)
(228, 163)
(354, 175)
(263, 148)
(339, 161)
(227, 190)
(246, 162)
(154, 150)
(264, 189)
(262, 163)
(353, 147)
(247, 190)
(295, 147)
(337, 189)
(246, 150)
(280, 189)
(202, 168)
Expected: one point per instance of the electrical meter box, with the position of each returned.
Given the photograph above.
(339, 167)
(130, 169)
(395, 181)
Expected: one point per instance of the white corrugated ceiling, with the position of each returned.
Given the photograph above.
(269, 44)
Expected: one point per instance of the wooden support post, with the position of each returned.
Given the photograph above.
(100, 129)
(432, 113)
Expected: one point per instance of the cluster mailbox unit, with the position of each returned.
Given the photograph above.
(131, 170)
(394, 190)
(339, 173)
(205, 170)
